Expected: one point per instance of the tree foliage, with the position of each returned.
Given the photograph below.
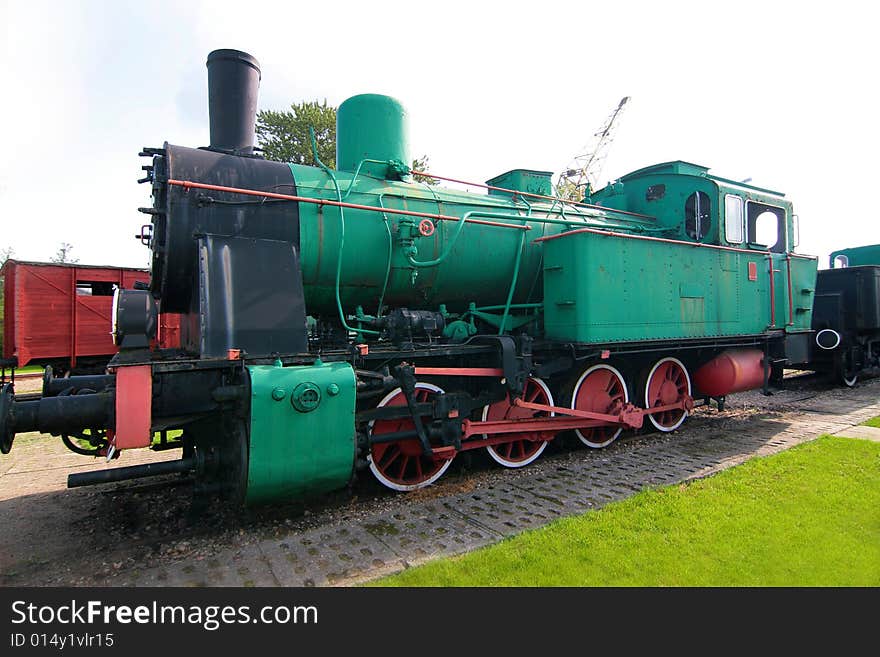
(284, 136)
(421, 164)
(63, 254)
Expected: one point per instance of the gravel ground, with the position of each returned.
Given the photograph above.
(128, 533)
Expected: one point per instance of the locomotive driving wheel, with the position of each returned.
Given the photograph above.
(523, 448)
(600, 389)
(846, 371)
(401, 465)
(668, 382)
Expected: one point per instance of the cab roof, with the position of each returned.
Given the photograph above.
(680, 167)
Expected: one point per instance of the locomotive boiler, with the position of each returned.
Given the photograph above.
(339, 320)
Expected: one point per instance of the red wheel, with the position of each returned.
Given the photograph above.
(523, 448)
(401, 465)
(667, 383)
(600, 389)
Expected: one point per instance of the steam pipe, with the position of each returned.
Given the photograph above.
(131, 472)
(53, 386)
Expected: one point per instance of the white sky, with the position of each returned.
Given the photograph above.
(784, 93)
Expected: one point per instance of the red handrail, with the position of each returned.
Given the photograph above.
(517, 192)
(188, 184)
(772, 293)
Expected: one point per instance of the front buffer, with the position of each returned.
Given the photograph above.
(289, 434)
(302, 430)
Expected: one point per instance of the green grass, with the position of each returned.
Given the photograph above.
(809, 516)
(173, 439)
(30, 369)
(873, 422)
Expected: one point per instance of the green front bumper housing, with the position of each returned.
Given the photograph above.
(302, 436)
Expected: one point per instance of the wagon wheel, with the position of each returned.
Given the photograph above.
(668, 382)
(97, 438)
(401, 465)
(523, 448)
(600, 389)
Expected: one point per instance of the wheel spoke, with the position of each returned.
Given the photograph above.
(668, 383)
(609, 385)
(598, 390)
(401, 465)
(520, 449)
(401, 472)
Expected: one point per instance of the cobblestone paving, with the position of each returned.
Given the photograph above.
(357, 540)
(390, 541)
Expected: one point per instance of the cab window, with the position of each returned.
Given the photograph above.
(733, 219)
(765, 227)
(697, 215)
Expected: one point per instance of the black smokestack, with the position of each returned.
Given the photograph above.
(233, 84)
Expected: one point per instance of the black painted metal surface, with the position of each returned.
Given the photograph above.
(251, 298)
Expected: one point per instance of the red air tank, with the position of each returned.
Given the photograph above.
(731, 371)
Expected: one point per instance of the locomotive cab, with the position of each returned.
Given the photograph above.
(695, 206)
(854, 257)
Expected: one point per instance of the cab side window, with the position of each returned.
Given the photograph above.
(697, 215)
(733, 219)
(765, 227)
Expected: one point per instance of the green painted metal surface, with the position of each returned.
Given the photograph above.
(372, 127)
(664, 196)
(803, 292)
(301, 430)
(662, 191)
(858, 255)
(593, 290)
(479, 266)
(522, 180)
(611, 288)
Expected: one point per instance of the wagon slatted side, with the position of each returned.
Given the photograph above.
(57, 311)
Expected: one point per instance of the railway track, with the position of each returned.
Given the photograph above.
(147, 534)
(28, 386)
(27, 376)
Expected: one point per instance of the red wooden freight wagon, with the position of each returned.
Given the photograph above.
(60, 314)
